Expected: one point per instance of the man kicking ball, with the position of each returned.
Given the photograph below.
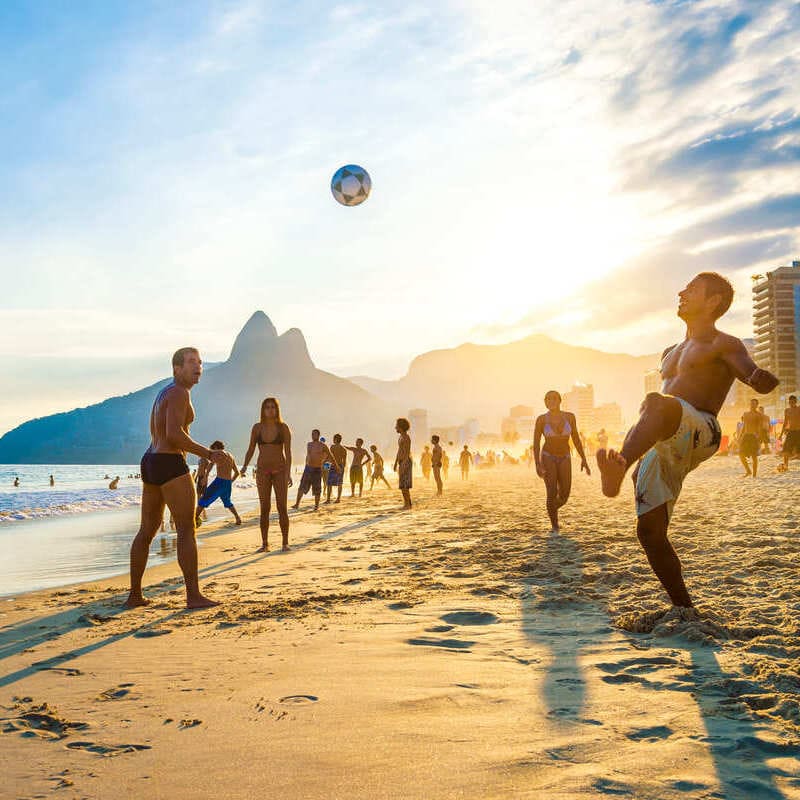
(678, 430)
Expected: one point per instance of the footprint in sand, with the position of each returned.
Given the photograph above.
(189, 723)
(439, 629)
(457, 645)
(469, 618)
(298, 699)
(40, 722)
(655, 734)
(149, 633)
(116, 693)
(107, 750)
(608, 786)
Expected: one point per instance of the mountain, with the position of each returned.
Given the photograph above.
(226, 401)
(483, 381)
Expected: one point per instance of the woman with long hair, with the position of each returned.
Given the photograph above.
(273, 467)
(554, 460)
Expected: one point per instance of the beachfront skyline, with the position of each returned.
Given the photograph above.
(562, 168)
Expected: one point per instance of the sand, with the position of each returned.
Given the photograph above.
(457, 651)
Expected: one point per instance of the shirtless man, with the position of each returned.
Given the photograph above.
(791, 430)
(360, 458)
(465, 462)
(436, 463)
(166, 479)
(377, 468)
(766, 431)
(316, 453)
(750, 437)
(221, 486)
(425, 462)
(402, 462)
(678, 429)
(336, 476)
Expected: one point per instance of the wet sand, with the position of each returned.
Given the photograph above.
(457, 651)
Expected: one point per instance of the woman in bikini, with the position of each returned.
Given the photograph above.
(554, 461)
(273, 467)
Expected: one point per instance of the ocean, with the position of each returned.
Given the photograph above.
(78, 530)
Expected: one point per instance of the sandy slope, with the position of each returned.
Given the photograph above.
(458, 651)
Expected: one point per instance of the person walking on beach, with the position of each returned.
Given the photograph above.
(791, 432)
(273, 468)
(316, 453)
(425, 462)
(166, 479)
(402, 462)
(336, 476)
(221, 486)
(678, 430)
(554, 460)
(436, 463)
(377, 468)
(360, 458)
(465, 462)
(750, 438)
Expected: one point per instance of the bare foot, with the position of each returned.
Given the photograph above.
(612, 468)
(201, 601)
(263, 549)
(135, 601)
(296, 507)
(238, 521)
(285, 548)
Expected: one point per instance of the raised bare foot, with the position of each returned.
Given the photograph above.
(612, 468)
(201, 601)
(135, 601)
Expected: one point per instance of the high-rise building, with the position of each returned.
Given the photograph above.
(776, 324)
(652, 381)
(580, 401)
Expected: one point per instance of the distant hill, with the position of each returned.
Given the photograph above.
(484, 381)
(227, 402)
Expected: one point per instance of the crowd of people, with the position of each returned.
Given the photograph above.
(676, 431)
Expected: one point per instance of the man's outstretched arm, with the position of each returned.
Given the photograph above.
(746, 370)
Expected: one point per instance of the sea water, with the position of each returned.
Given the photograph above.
(79, 530)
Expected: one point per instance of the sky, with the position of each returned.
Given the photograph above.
(561, 167)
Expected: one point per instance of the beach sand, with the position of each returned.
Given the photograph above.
(456, 651)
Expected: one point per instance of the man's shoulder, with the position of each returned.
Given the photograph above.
(726, 341)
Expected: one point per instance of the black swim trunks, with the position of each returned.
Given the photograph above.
(159, 468)
(748, 446)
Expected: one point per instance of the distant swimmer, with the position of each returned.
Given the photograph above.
(403, 465)
(52, 481)
(273, 468)
(114, 484)
(790, 432)
(377, 467)
(316, 453)
(16, 481)
(166, 479)
(465, 462)
(425, 462)
(750, 438)
(554, 459)
(336, 475)
(678, 430)
(361, 457)
(436, 463)
(221, 486)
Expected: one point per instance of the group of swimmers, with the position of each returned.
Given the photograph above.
(676, 431)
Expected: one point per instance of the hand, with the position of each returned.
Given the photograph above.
(585, 467)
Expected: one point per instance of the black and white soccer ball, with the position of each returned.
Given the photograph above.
(350, 185)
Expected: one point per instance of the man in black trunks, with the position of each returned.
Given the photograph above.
(166, 479)
(678, 429)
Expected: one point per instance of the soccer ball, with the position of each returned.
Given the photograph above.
(350, 185)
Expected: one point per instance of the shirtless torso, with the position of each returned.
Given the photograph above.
(339, 453)
(791, 418)
(752, 422)
(317, 453)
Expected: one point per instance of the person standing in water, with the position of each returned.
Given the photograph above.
(166, 479)
(273, 468)
(554, 460)
(678, 429)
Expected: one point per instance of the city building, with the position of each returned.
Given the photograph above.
(518, 424)
(776, 324)
(608, 416)
(580, 401)
(652, 381)
(420, 436)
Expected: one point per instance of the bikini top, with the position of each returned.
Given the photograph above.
(277, 440)
(550, 431)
